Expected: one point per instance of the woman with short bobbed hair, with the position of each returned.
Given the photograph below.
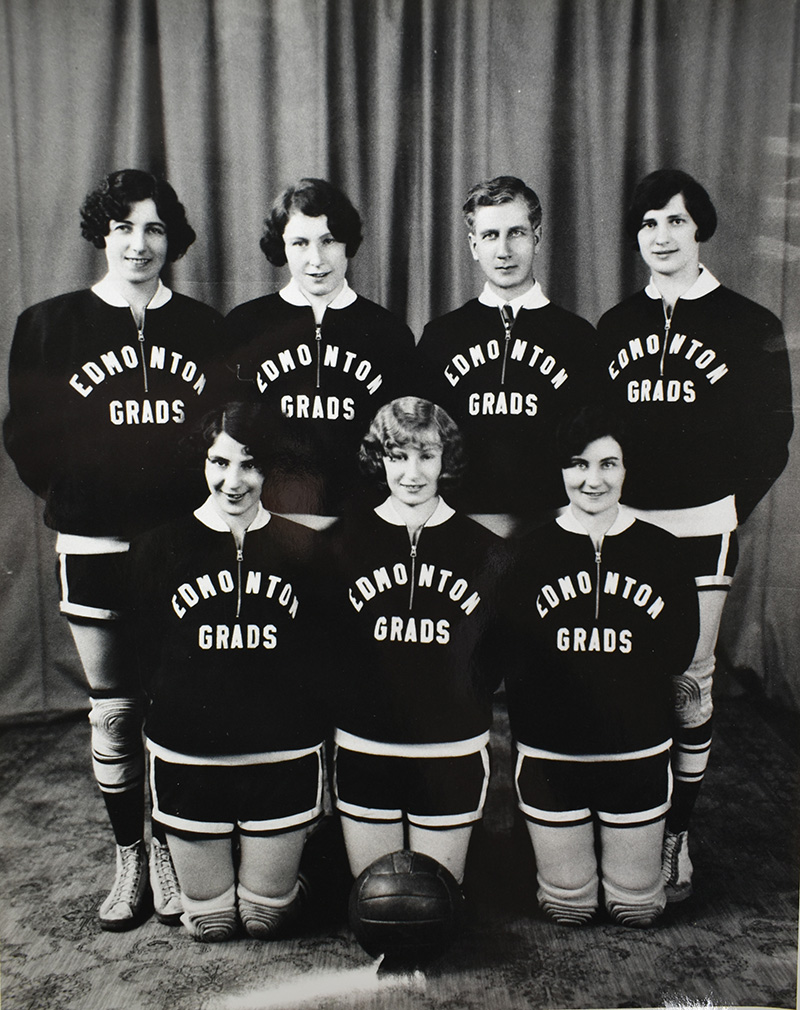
(412, 595)
(314, 198)
(657, 189)
(701, 374)
(321, 358)
(115, 194)
(234, 718)
(402, 421)
(598, 614)
(102, 384)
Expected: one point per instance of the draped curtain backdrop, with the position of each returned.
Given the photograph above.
(404, 104)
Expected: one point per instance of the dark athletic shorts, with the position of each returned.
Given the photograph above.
(92, 576)
(713, 559)
(440, 785)
(628, 790)
(258, 794)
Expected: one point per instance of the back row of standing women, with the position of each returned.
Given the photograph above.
(105, 384)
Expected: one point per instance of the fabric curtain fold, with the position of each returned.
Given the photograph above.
(404, 104)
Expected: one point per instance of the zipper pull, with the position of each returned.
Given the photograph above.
(140, 332)
(668, 314)
(507, 315)
(413, 569)
(318, 338)
(597, 560)
(239, 560)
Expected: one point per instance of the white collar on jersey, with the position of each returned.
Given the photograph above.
(107, 290)
(441, 513)
(293, 294)
(705, 283)
(625, 518)
(534, 298)
(208, 516)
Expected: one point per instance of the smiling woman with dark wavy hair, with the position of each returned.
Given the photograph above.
(233, 717)
(113, 198)
(102, 384)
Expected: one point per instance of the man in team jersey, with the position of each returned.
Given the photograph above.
(508, 364)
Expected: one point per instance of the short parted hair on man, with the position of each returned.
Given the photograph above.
(502, 189)
(587, 424)
(113, 198)
(410, 420)
(657, 189)
(314, 198)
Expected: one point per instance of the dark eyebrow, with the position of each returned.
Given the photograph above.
(147, 224)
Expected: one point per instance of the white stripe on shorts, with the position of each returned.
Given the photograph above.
(630, 755)
(229, 760)
(451, 748)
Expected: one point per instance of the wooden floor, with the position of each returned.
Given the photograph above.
(733, 944)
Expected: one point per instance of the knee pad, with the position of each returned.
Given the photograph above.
(691, 692)
(637, 908)
(265, 918)
(568, 906)
(211, 920)
(117, 744)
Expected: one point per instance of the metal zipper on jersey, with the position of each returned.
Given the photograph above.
(414, 542)
(318, 339)
(598, 560)
(667, 327)
(140, 332)
(505, 311)
(239, 560)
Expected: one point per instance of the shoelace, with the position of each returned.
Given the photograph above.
(127, 880)
(672, 851)
(167, 879)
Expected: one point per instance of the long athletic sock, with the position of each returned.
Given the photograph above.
(126, 813)
(689, 761)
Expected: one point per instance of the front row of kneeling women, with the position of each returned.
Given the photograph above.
(259, 639)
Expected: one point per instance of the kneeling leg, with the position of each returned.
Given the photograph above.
(631, 868)
(566, 870)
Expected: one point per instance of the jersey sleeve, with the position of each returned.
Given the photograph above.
(767, 418)
(682, 625)
(34, 430)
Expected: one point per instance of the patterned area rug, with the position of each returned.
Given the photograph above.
(734, 943)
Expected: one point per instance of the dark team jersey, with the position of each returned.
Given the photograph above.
(507, 388)
(98, 408)
(410, 618)
(321, 385)
(708, 396)
(591, 639)
(225, 639)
